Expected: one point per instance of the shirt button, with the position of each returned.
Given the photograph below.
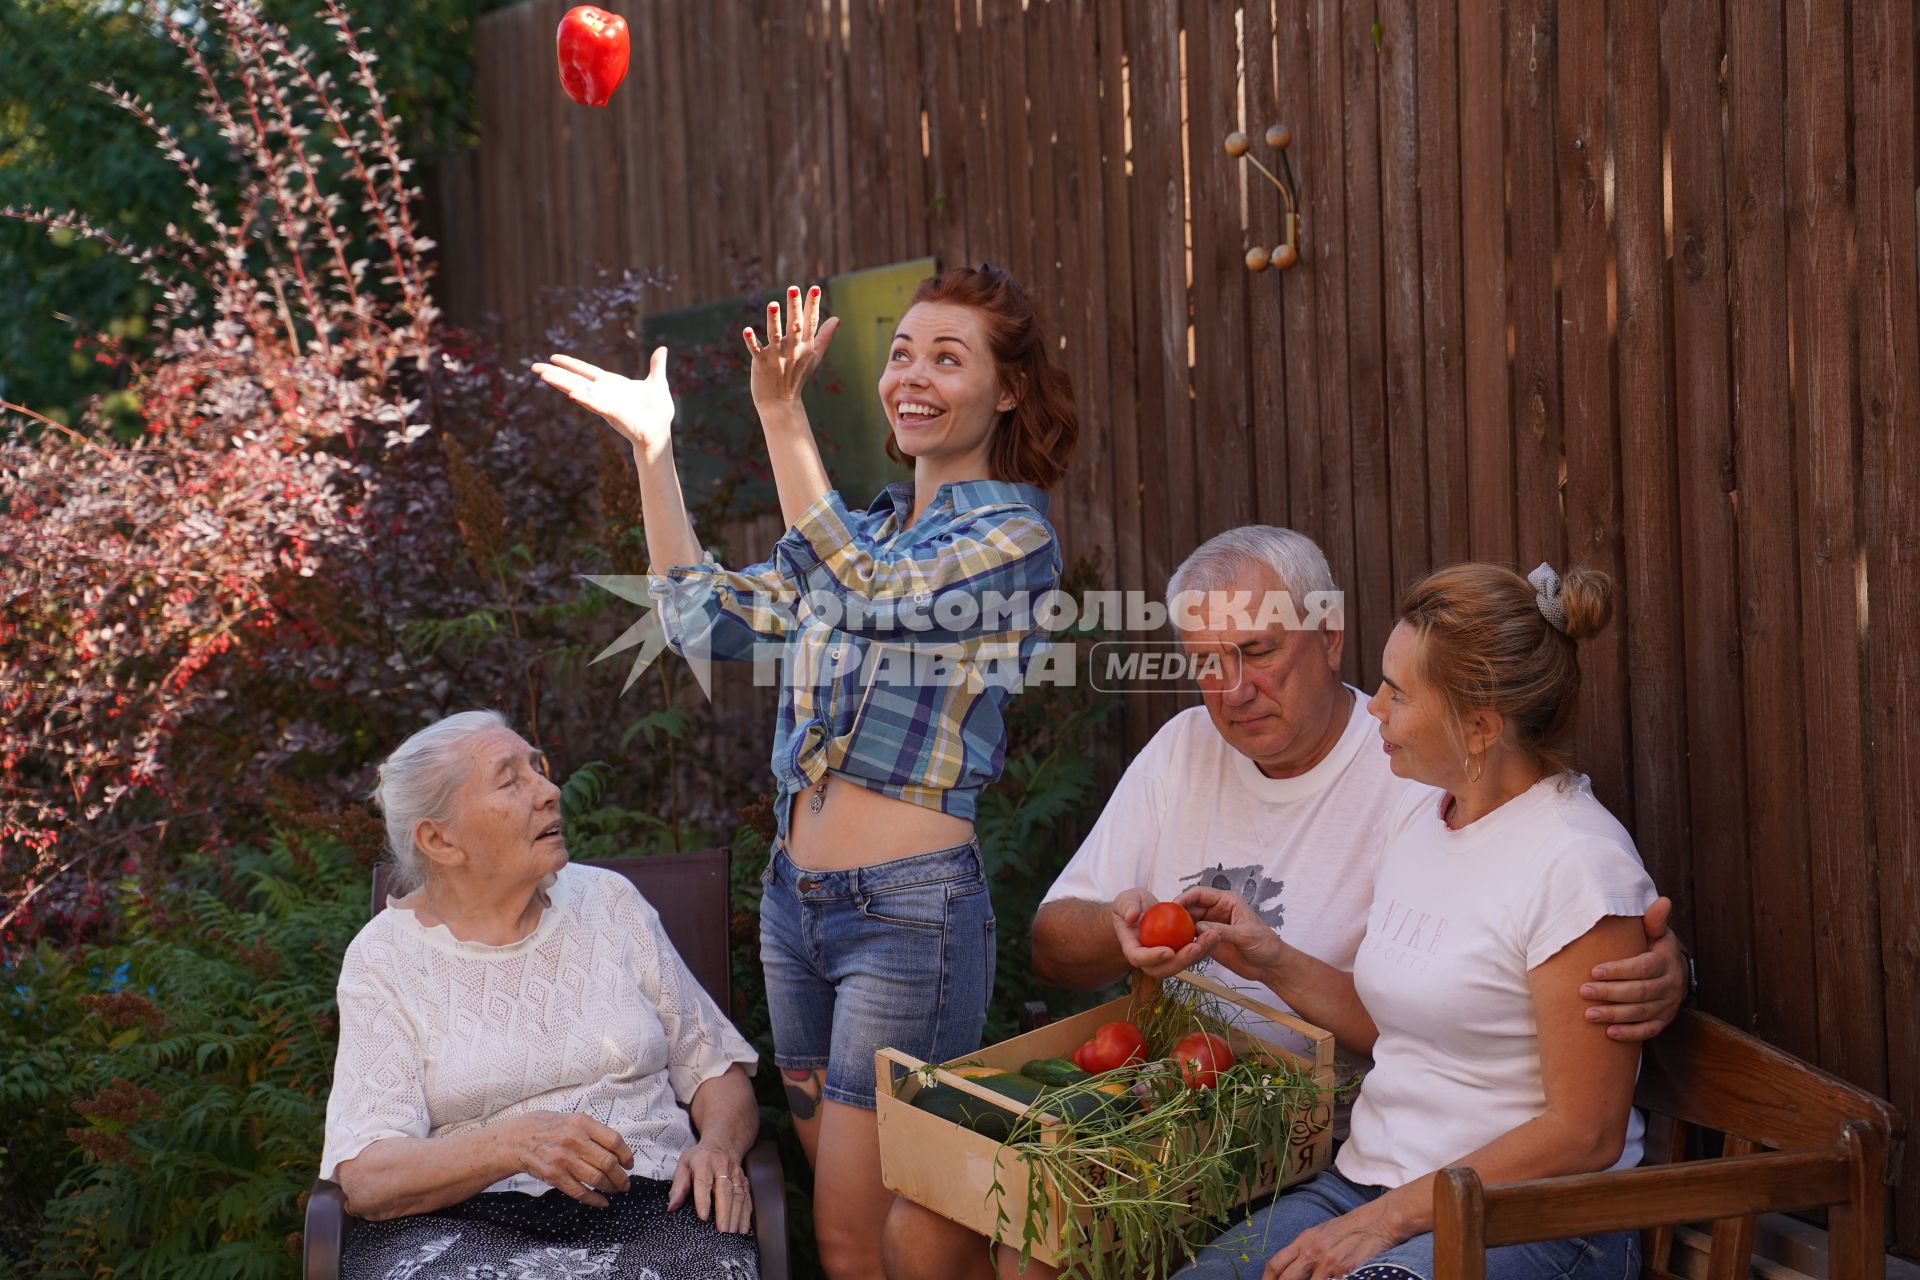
(922, 597)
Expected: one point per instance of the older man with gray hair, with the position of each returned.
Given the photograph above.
(1276, 788)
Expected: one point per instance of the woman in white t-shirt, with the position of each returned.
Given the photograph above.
(529, 1080)
(1502, 883)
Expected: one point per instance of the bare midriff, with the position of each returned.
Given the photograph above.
(855, 827)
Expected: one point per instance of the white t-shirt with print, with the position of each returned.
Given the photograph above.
(1190, 810)
(1458, 920)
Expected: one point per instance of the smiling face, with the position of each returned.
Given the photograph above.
(941, 387)
(1275, 694)
(504, 824)
(1417, 730)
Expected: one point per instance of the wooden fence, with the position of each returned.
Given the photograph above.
(1602, 281)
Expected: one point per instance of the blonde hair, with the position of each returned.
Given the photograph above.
(1488, 645)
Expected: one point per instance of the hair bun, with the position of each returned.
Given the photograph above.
(1586, 599)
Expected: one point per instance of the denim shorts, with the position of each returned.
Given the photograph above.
(1242, 1251)
(895, 955)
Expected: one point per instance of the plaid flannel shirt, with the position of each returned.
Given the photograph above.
(897, 663)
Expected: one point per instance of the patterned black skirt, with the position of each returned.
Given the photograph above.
(507, 1235)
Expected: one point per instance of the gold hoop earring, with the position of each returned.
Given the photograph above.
(1473, 766)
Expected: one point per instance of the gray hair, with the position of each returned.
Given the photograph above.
(417, 782)
(1217, 563)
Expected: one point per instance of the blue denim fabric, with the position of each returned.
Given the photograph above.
(895, 955)
(1242, 1250)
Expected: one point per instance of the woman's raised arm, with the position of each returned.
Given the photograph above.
(781, 366)
(642, 412)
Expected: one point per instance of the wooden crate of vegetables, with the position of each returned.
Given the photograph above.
(1109, 1141)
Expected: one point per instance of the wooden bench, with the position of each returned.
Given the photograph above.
(1794, 1138)
(690, 892)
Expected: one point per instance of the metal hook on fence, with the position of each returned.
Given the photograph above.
(1287, 252)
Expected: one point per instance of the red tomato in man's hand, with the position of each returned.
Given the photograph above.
(593, 49)
(1113, 1045)
(1201, 1058)
(1166, 924)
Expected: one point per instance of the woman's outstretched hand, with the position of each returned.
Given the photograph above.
(641, 410)
(792, 351)
(1242, 941)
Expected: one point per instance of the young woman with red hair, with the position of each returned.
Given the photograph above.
(905, 627)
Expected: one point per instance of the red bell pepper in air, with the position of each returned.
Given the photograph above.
(593, 49)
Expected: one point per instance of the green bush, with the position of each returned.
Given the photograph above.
(163, 1098)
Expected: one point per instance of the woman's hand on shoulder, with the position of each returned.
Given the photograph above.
(572, 1153)
(719, 1186)
(641, 410)
(793, 349)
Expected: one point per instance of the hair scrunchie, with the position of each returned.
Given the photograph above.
(1546, 594)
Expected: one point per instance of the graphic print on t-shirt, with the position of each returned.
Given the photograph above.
(1405, 936)
(1251, 883)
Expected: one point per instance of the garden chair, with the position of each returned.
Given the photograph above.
(690, 892)
(1795, 1138)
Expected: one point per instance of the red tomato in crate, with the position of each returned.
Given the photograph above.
(1201, 1058)
(1114, 1045)
(1166, 924)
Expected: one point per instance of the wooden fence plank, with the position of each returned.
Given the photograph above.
(1006, 55)
(797, 28)
(1222, 417)
(493, 70)
(986, 177)
(1538, 428)
(1846, 946)
(784, 115)
(1159, 289)
(1593, 499)
(1042, 158)
(1082, 277)
(635, 111)
(1407, 422)
(1483, 123)
(1327, 227)
(554, 200)
(1361, 41)
(1708, 555)
(1884, 168)
(840, 109)
(516, 304)
(1442, 324)
(947, 128)
(1115, 319)
(869, 157)
(1122, 390)
(1298, 109)
(742, 190)
(905, 127)
(1656, 691)
(1774, 717)
(1268, 364)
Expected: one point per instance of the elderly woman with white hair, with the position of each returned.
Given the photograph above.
(530, 1083)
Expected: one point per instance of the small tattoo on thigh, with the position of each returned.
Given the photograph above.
(803, 1097)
